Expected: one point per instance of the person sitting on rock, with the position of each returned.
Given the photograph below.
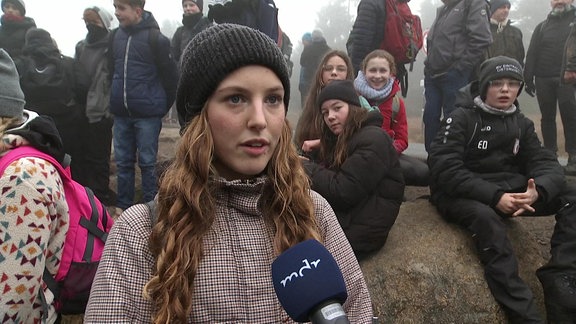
(358, 170)
(487, 165)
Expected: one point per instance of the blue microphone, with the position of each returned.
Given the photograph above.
(309, 284)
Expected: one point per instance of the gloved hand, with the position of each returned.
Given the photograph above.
(530, 88)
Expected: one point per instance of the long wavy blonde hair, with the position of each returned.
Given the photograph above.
(310, 122)
(186, 212)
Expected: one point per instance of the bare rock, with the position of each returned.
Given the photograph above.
(428, 271)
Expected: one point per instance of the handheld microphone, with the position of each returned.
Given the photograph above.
(310, 285)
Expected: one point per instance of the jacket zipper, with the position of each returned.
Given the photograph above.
(124, 94)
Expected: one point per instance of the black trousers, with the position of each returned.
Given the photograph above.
(500, 264)
(551, 94)
(97, 159)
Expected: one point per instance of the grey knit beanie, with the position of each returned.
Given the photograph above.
(496, 68)
(11, 95)
(339, 89)
(215, 53)
(18, 3)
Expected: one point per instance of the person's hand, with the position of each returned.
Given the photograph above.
(310, 145)
(530, 88)
(570, 77)
(524, 200)
(506, 204)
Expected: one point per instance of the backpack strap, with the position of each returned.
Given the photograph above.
(395, 109)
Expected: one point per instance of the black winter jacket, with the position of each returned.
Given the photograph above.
(546, 49)
(12, 35)
(366, 192)
(478, 155)
(192, 25)
(367, 32)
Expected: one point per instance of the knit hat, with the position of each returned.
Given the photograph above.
(497, 4)
(18, 3)
(307, 37)
(102, 13)
(199, 3)
(11, 95)
(339, 89)
(215, 53)
(496, 68)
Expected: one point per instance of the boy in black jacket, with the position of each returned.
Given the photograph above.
(486, 165)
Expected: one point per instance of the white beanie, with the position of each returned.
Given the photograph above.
(11, 96)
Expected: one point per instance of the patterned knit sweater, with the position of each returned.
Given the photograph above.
(33, 226)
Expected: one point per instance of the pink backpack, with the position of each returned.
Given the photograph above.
(87, 233)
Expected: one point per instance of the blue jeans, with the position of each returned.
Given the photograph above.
(440, 95)
(131, 136)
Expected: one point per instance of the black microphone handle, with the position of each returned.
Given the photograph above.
(329, 312)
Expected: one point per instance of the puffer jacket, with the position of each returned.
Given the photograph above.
(143, 82)
(507, 42)
(479, 155)
(458, 38)
(367, 190)
(367, 31)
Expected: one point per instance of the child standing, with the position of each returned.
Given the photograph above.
(376, 83)
(13, 27)
(143, 89)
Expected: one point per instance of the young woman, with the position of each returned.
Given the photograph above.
(34, 210)
(359, 173)
(376, 83)
(235, 197)
(335, 65)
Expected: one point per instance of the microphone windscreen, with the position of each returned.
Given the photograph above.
(305, 276)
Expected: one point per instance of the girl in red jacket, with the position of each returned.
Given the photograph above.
(377, 84)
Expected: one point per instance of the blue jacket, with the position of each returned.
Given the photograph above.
(143, 82)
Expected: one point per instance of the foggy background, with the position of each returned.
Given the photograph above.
(63, 19)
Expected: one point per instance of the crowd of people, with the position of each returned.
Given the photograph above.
(245, 185)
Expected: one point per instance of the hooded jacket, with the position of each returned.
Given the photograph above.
(478, 155)
(92, 58)
(31, 187)
(367, 190)
(143, 82)
(458, 38)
